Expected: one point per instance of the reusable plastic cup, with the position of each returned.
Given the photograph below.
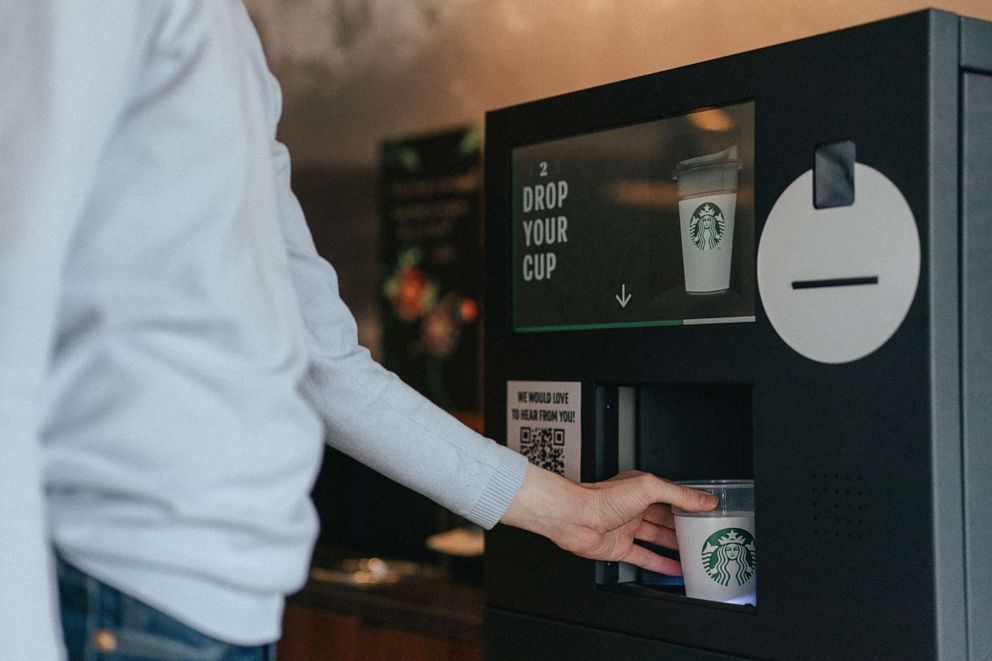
(707, 188)
(717, 547)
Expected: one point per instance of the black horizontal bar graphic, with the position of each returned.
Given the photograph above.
(835, 282)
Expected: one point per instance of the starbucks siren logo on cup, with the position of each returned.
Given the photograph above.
(707, 226)
(728, 556)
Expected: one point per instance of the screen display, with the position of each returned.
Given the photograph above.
(643, 225)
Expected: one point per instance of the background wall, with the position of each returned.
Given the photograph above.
(355, 72)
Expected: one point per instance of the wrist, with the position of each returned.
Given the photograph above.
(545, 503)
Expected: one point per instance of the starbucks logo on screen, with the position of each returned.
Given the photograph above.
(707, 225)
(728, 556)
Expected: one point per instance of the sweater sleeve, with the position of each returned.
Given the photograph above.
(370, 413)
(63, 73)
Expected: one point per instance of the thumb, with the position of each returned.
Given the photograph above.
(686, 498)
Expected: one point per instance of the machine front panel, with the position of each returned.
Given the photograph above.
(838, 443)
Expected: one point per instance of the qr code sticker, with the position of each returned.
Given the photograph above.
(544, 447)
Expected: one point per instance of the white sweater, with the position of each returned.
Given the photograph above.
(172, 348)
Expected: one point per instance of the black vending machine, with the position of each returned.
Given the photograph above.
(772, 268)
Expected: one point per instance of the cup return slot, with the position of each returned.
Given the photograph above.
(679, 432)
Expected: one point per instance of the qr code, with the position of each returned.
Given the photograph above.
(545, 447)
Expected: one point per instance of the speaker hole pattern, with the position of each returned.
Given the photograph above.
(839, 511)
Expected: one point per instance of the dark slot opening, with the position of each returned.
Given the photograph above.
(681, 432)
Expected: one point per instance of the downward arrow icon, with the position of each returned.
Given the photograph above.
(624, 297)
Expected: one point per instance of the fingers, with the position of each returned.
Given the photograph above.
(660, 535)
(640, 556)
(657, 490)
(660, 514)
(691, 500)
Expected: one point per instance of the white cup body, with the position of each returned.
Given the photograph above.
(718, 556)
(707, 230)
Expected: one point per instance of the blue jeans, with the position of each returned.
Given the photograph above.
(104, 624)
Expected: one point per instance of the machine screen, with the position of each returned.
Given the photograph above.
(649, 224)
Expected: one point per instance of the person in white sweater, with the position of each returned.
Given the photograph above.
(172, 350)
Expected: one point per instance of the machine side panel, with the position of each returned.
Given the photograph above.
(976, 252)
(948, 533)
(976, 45)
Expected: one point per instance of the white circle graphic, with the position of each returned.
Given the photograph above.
(837, 283)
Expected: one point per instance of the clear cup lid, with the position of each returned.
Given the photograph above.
(736, 497)
(727, 158)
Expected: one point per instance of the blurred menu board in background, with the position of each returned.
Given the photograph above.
(432, 277)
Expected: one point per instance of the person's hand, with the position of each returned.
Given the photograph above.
(601, 520)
